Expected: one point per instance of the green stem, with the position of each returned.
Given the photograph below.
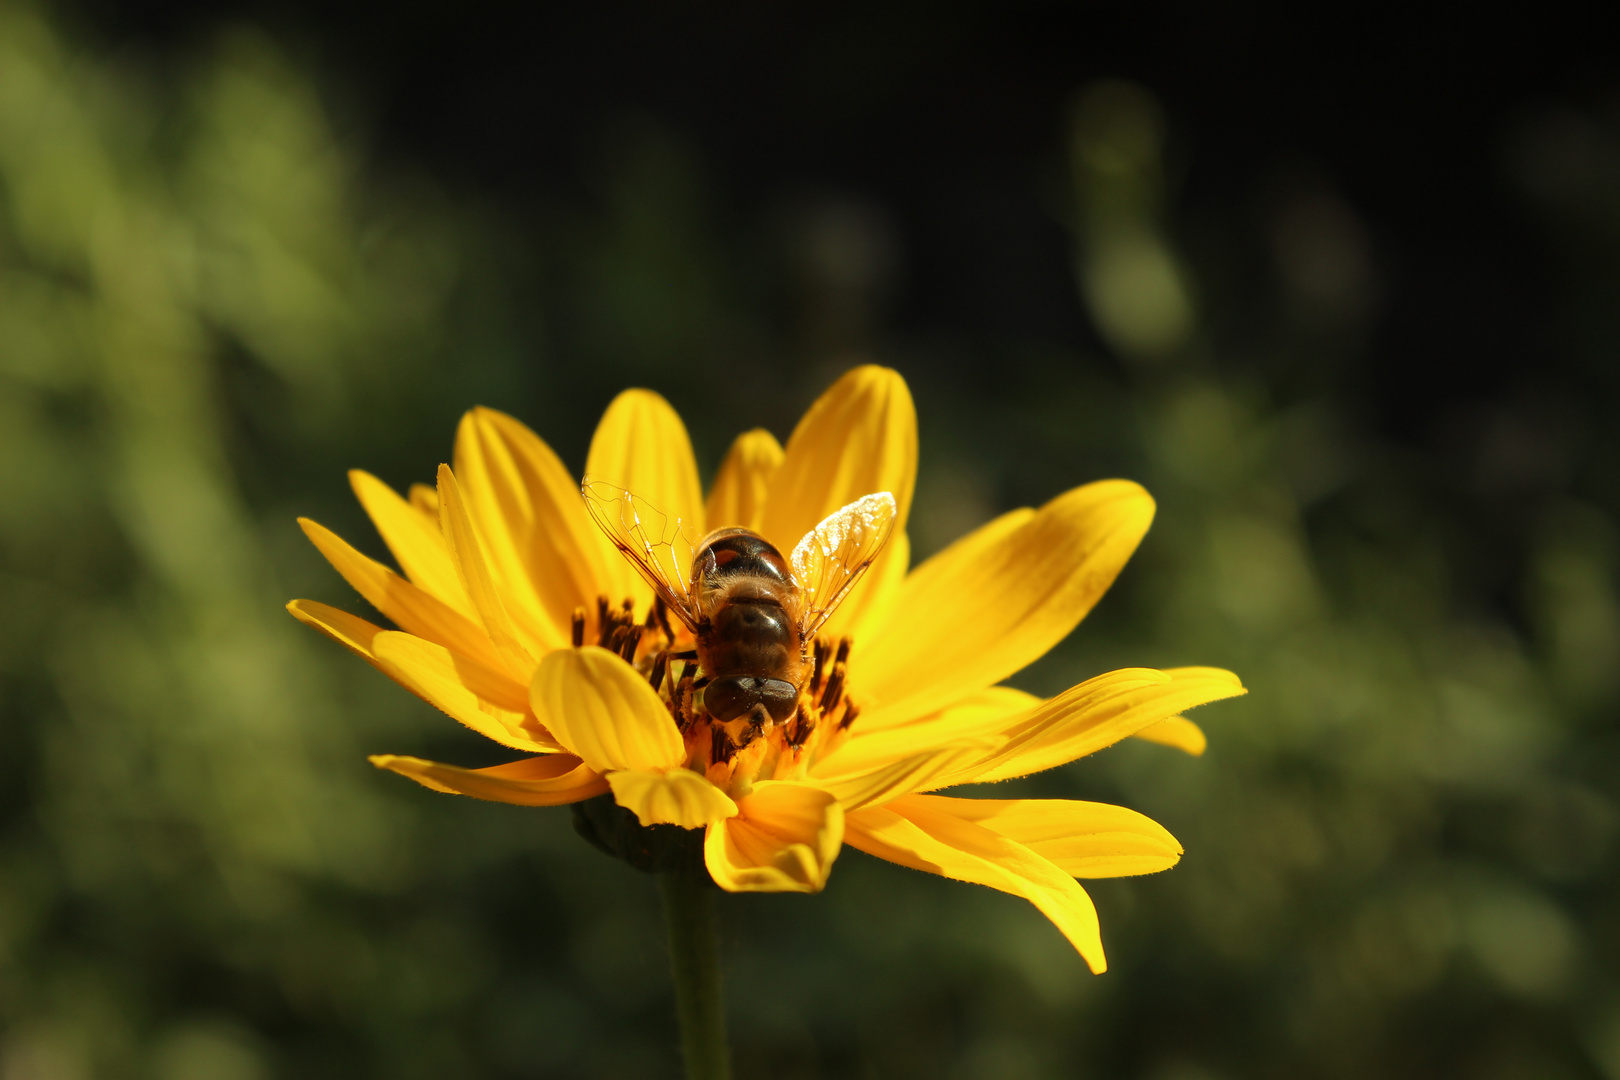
(689, 915)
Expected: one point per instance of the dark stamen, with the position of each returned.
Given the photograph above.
(660, 665)
(661, 612)
(601, 615)
(821, 660)
(849, 717)
(843, 650)
(632, 640)
(578, 627)
(835, 687)
(801, 727)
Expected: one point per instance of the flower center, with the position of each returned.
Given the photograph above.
(732, 754)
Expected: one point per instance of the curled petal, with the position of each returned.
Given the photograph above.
(676, 796)
(998, 599)
(536, 781)
(784, 839)
(598, 707)
(1083, 839)
(925, 839)
(740, 487)
(859, 438)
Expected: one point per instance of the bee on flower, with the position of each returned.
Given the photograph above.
(764, 664)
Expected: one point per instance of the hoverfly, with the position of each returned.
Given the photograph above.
(752, 614)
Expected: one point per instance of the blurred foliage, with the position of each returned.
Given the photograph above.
(1401, 851)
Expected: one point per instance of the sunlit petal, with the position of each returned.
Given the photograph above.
(490, 702)
(598, 707)
(414, 538)
(1097, 713)
(641, 446)
(472, 566)
(411, 608)
(544, 552)
(740, 487)
(998, 599)
(1083, 839)
(859, 437)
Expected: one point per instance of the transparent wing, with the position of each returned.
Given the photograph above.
(832, 557)
(658, 546)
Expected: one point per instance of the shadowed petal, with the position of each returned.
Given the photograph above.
(859, 438)
(1083, 839)
(537, 781)
(998, 599)
(925, 839)
(740, 487)
(601, 709)
(675, 796)
(784, 839)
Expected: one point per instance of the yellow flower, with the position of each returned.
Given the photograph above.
(503, 570)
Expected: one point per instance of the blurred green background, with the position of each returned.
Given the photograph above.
(1354, 321)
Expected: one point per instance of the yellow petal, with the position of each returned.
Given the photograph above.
(1097, 713)
(601, 709)
(490, 702)
(537, 781)
(998, 599)
(414, 539)
(1083, 839)
(981, 714)
(642, 446)
(925, 839)
(350, 631)
(426, 500)
(542, 544)
(740, 487)
(432, 673)
(411, 608)
(860, 437)
(467, 552)
(784, 839)
(1176, 731)
(916, 772)
(675, 796)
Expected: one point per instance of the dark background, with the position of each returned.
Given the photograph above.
(246, 247)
